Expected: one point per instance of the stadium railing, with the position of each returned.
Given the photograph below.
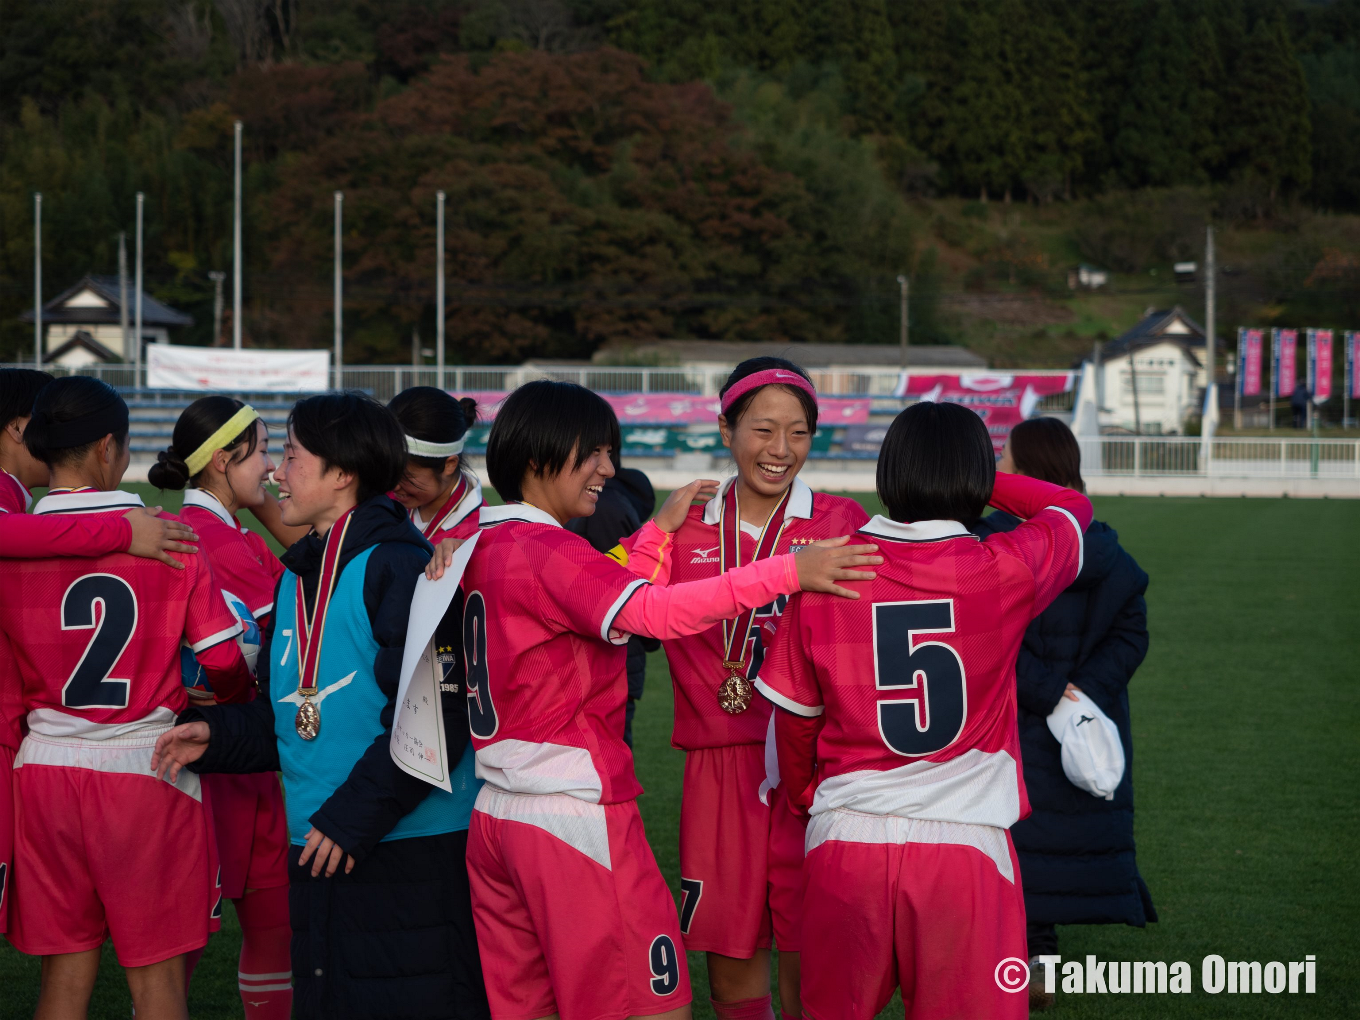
(1169, 456)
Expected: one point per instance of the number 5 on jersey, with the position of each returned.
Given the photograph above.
(928, 677)
(482, 719)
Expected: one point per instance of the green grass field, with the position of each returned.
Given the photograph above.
(1246, 720)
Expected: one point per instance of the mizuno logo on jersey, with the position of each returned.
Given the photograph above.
(705, 555)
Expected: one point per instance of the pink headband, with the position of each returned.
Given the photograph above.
(769, 377)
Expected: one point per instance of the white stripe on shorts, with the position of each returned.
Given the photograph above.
(858, 827)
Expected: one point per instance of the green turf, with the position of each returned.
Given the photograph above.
(1245, 721)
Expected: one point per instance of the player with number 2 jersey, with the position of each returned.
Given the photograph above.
(898, 722)
(97, 647)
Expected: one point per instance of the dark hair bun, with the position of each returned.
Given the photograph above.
(469, 407)
(169, 471)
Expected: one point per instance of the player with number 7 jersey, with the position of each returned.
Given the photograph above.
(96, 644)
(899, 729)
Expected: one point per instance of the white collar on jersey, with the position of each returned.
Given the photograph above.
(205, 500)
(87, 501)
(28, 496)
(800, 501)
(471, 500)
(916, 531)
(523, 512)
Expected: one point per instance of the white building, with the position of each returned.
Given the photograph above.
(82, 326)
(1152, 377)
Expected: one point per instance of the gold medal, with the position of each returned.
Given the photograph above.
(734, 693)
(307, 722)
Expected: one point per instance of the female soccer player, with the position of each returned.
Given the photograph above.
(898, 722)
(441, 496)
(141, 532)
(220, 451)
(741, 847)
(378, 894)
(102, 847)
(572, 914)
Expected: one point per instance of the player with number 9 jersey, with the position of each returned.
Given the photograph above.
(899, 727)
(97, 647)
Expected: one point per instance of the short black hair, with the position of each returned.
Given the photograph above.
(540, 427)
(431, 414)
(352, 432)
(195, 426)
(1045, 448)
(18, 387)
(764, 364)
(71, 415)
(936, 464)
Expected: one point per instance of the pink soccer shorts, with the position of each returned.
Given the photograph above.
(6, 832)
(101, 854)
(572, 914)
(741, 862)
(251, 830)
(936, 918)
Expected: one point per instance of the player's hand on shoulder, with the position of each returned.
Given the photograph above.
(442, 558)
(676, 508)
(155, 537)
(177, 747)
(822, 564)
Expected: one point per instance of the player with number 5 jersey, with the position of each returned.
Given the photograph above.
(897, 723)
(97, 647)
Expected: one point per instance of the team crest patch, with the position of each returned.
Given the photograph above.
(797, 545)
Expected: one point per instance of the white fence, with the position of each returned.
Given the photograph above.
(1172, 456)
(386, 381)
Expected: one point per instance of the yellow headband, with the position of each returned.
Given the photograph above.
(232, 428)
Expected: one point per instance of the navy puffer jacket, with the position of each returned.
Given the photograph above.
(1076, 851)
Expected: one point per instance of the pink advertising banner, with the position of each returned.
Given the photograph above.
(1002, 400)
(1353, 361)
(1286, 367)
(688, 409)
(1251, 362)
(1320, 364)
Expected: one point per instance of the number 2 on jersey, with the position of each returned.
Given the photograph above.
(482, 719)
(928, 677)
(90, 685)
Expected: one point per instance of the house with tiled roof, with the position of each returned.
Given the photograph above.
(82, 324)
(1152, 376)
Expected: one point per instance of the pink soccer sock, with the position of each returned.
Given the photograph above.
(745, 1009)
(265, 977)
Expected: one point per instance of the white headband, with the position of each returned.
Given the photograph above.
(421, 448)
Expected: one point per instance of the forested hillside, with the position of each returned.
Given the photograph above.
(751, 169)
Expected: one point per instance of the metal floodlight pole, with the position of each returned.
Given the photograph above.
(236, 250)
(217, 277)
(37, 280)
(339, 320)
(439, 290)
(123, 293)
(137, 298)
(905, 285)
(1210, 310)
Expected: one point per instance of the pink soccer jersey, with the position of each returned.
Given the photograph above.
(696, 662)
(97, 640)
(546, 686)
(14, 498)
(917, 677)
(242, 562)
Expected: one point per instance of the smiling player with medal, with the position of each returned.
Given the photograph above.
(375, 853)
(741, 847)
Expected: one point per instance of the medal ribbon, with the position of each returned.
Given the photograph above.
(737, 632)
(455, 497)
(311, 629)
